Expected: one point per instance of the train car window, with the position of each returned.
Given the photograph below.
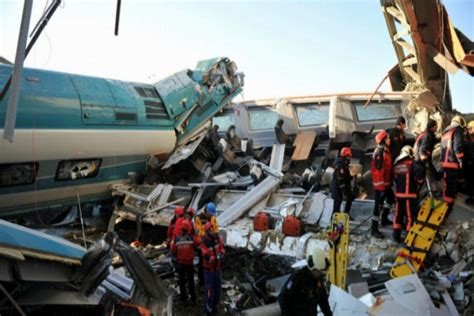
(223, 121)
(18, 173)
(77, 169)
(312, 114)
(261, 119)
(377, 111)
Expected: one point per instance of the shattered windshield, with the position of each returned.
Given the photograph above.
(377, 111)
(312, 114)
(262, 119)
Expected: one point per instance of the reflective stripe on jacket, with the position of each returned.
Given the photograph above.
(452, 151)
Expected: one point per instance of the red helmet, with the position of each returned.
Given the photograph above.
(190, 212)
(186, 226)
(381, 136)
(208, 227)
(179, 211)
(346, 152)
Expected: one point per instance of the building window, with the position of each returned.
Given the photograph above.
(312, 114)
(78, 169)
(18, 173)
(377, 111)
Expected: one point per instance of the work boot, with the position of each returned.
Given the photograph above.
(375, 230)
(385, 221)
(396, 236)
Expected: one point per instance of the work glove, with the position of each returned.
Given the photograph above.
(219, 256)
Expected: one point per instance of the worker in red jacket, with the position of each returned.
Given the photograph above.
(187, 215)
(408, 179)
(452, 157)
(381, 168)
(212, 248)
(183, 247)
(178, 213)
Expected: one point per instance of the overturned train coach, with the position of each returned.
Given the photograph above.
(75, 135)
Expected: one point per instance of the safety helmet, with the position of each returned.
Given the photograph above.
(471, 124)
(211, 208)
(317, 260)
(186, 226)
(380, 136)
(458, 120)
(190, 212)
(208, 227)
(179, 211)
(407, 151)
(346, 152)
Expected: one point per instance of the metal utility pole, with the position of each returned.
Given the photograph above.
(17, 70)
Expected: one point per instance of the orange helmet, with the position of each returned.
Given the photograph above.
(381, 136)
(346, 152)
(186, 226)
(179, 211)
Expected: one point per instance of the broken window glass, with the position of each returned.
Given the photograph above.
(262, 119)
(312, 114)
(377, 110)
(223, 121)
(18, 174)
(77, 169)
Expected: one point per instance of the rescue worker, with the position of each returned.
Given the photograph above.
(178, 213)
(424, 146)
(397, 137)
(469, 164)
(304, 290)
(452, 157)
(207, 215)
(341, 181)
(187, 215)
(408, 179)
(212, 249)
(183, 247)
(381, 168)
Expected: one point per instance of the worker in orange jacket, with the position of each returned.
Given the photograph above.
(208, 215)
(381, 168)
(452, 157)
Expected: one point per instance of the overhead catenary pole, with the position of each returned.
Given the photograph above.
(12, 108)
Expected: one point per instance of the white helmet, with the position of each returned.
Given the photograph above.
(317, 260)
(407, 151)
(458, 120)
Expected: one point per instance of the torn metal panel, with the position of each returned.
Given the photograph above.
(47, 295)
(269, 184)
(35, 270)
(409, 292)
(344, 304)
(184, 151)
(39, 245)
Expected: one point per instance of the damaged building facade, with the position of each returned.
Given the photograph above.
(87, 233)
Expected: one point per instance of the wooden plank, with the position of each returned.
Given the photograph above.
(303, 143)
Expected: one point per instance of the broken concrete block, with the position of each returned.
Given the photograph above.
(452, 236)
